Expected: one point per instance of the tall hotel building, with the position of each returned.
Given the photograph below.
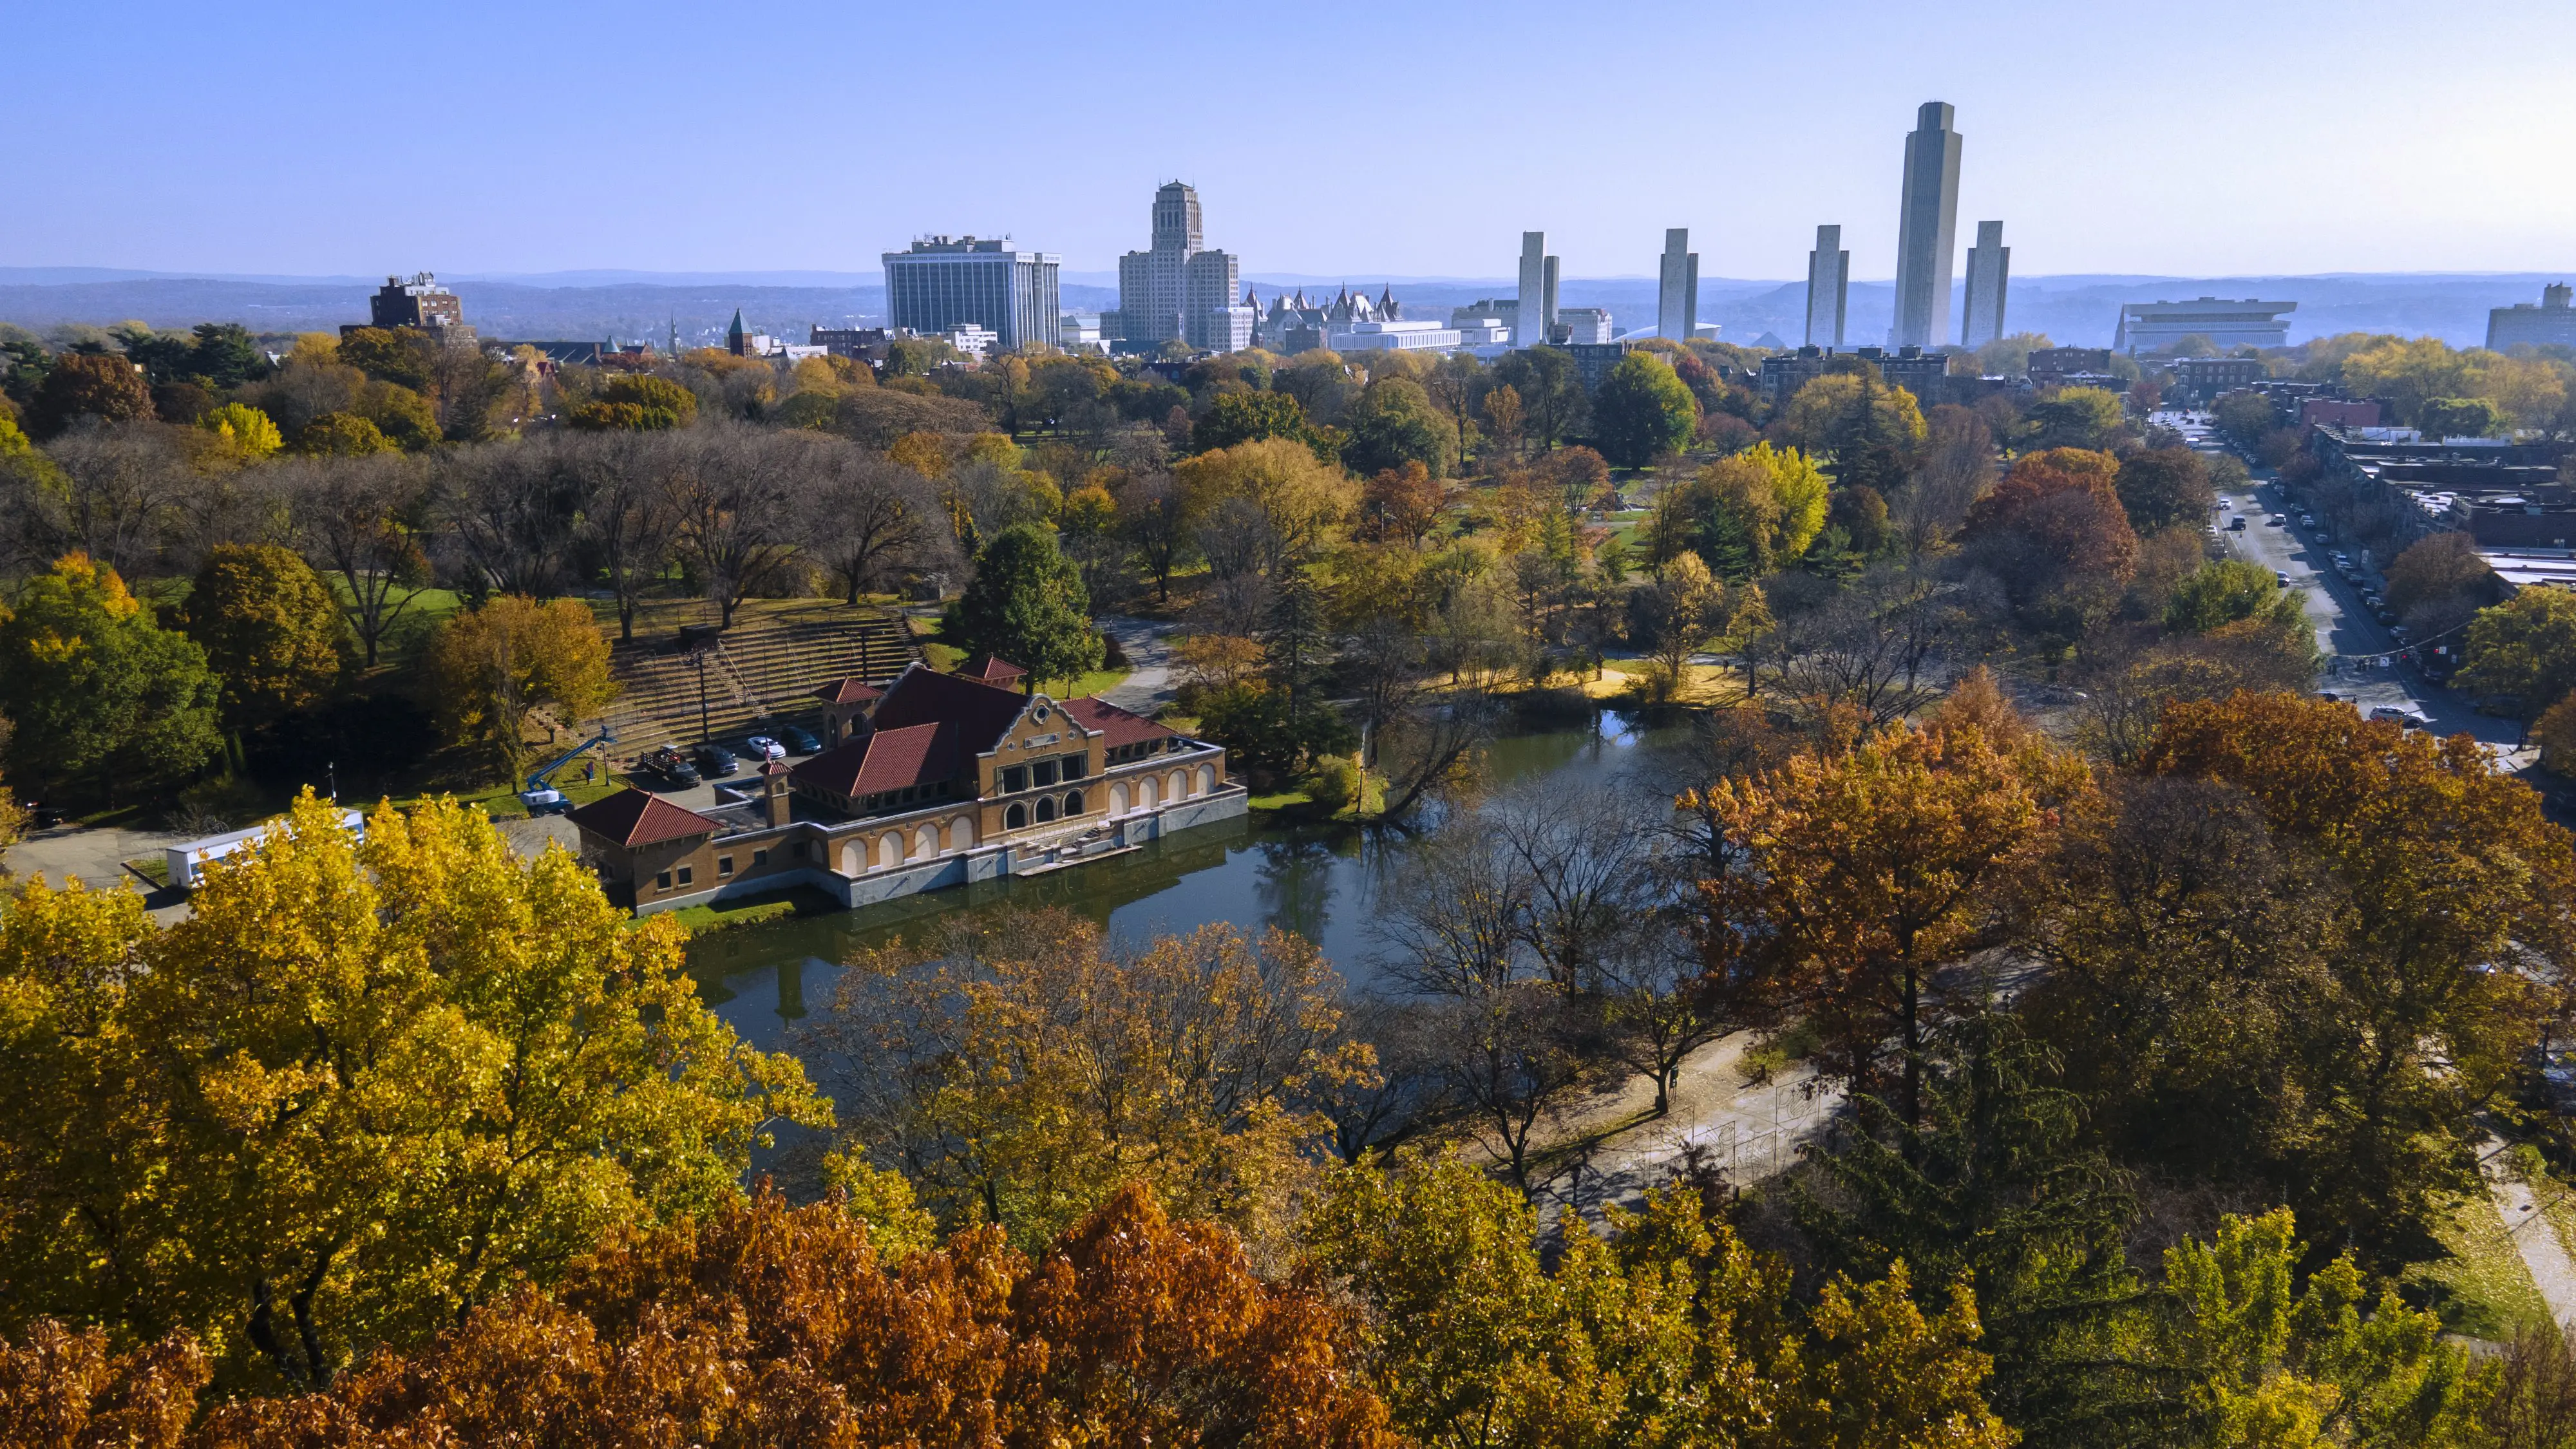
(944, 283)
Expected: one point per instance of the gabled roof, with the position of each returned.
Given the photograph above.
(1115, 726)
(639, 817)
(980, 711)
(884, 760)
(852, 690)
(992, 669)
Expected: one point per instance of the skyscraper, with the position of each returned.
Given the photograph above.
(944, 283)
(1927, 226)
(1677, 287)
(1989, 268)
(1178, 290)
(1534, 321)
(1828, 288)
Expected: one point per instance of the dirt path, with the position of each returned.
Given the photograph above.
(2552, 1272)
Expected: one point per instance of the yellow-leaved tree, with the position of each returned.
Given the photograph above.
(363, 1088)
(494, 667)
(1017, 1075)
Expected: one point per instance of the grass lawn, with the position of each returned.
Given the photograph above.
(729, 915)
(2482, 1290)
(1284, 800)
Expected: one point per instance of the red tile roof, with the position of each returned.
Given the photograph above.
(992, 670)
(639, 817)
(884, 760)
(981, 712)
(853, 690)
(1116, 726)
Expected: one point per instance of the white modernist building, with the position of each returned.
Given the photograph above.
(1535, 322)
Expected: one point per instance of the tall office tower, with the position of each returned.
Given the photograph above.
(1677, 287)
(1534, 321)
(944, 283)
(1828, 288)
(1989, 271)
(1927, 229)
(1178, 291)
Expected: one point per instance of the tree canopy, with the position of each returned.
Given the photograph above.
(1027, 604)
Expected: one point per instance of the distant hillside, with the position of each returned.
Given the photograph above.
(2080, 310)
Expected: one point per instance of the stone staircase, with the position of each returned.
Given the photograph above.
(765, 667)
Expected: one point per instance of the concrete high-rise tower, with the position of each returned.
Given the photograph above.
(1534, 315)
(1677, 287)
(1927, 227)
(1828, 288)
(1989, 270)
(1178, 291)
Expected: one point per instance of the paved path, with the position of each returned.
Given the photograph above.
(1148, 646)
(2551, 1270)
(1748, 1129)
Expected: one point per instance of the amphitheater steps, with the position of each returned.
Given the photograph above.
(760, 669)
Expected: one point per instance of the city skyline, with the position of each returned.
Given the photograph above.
(2090, 186)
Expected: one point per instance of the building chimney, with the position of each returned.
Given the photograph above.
(773, 791)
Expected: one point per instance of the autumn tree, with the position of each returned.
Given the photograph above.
(1017, 1075)
(1857, 878)
(85, 385)
(1247, 417)
(1402, 503)
(873, 517)
(2525, 648)
(2407, 892)
(362, 1088)
(342, 435)
(1298, 498)
(1393, 423)
(100, 693)
(1669, 1331)
(495, 667)
(2439, 571)
(270, 629)
(733, 495)
(2160, 488)
(636, 402)
(2076, 417)
(2055, 533)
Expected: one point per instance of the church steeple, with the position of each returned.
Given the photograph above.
(736, 339)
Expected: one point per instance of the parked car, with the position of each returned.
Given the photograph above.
(715, 760)
(2280, 578)
(2276, 521)
(799, 740)
(2396, 713)
(763, 747)
(2236, 524)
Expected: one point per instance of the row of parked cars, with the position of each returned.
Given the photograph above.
(714, 761)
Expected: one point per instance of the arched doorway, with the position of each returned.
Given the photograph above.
(1072, 803)
(1118, 799)
(1016, 818)
(889, 850)
(961, 833)
(1046, 808)
(854, 858)
(1207, 779)
(925, 842)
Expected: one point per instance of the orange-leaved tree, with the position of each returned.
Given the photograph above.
(1854, 878)
(765, 1324)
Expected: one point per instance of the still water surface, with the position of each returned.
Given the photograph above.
(1317, 880)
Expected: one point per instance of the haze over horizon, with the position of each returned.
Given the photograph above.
(297, 139)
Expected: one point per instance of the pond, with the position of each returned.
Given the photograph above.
(1317, 880)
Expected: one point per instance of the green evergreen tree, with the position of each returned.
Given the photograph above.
(1028, 605)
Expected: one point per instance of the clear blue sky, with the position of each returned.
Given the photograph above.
(1324, 137)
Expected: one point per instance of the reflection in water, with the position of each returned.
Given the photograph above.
(1317, 880)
